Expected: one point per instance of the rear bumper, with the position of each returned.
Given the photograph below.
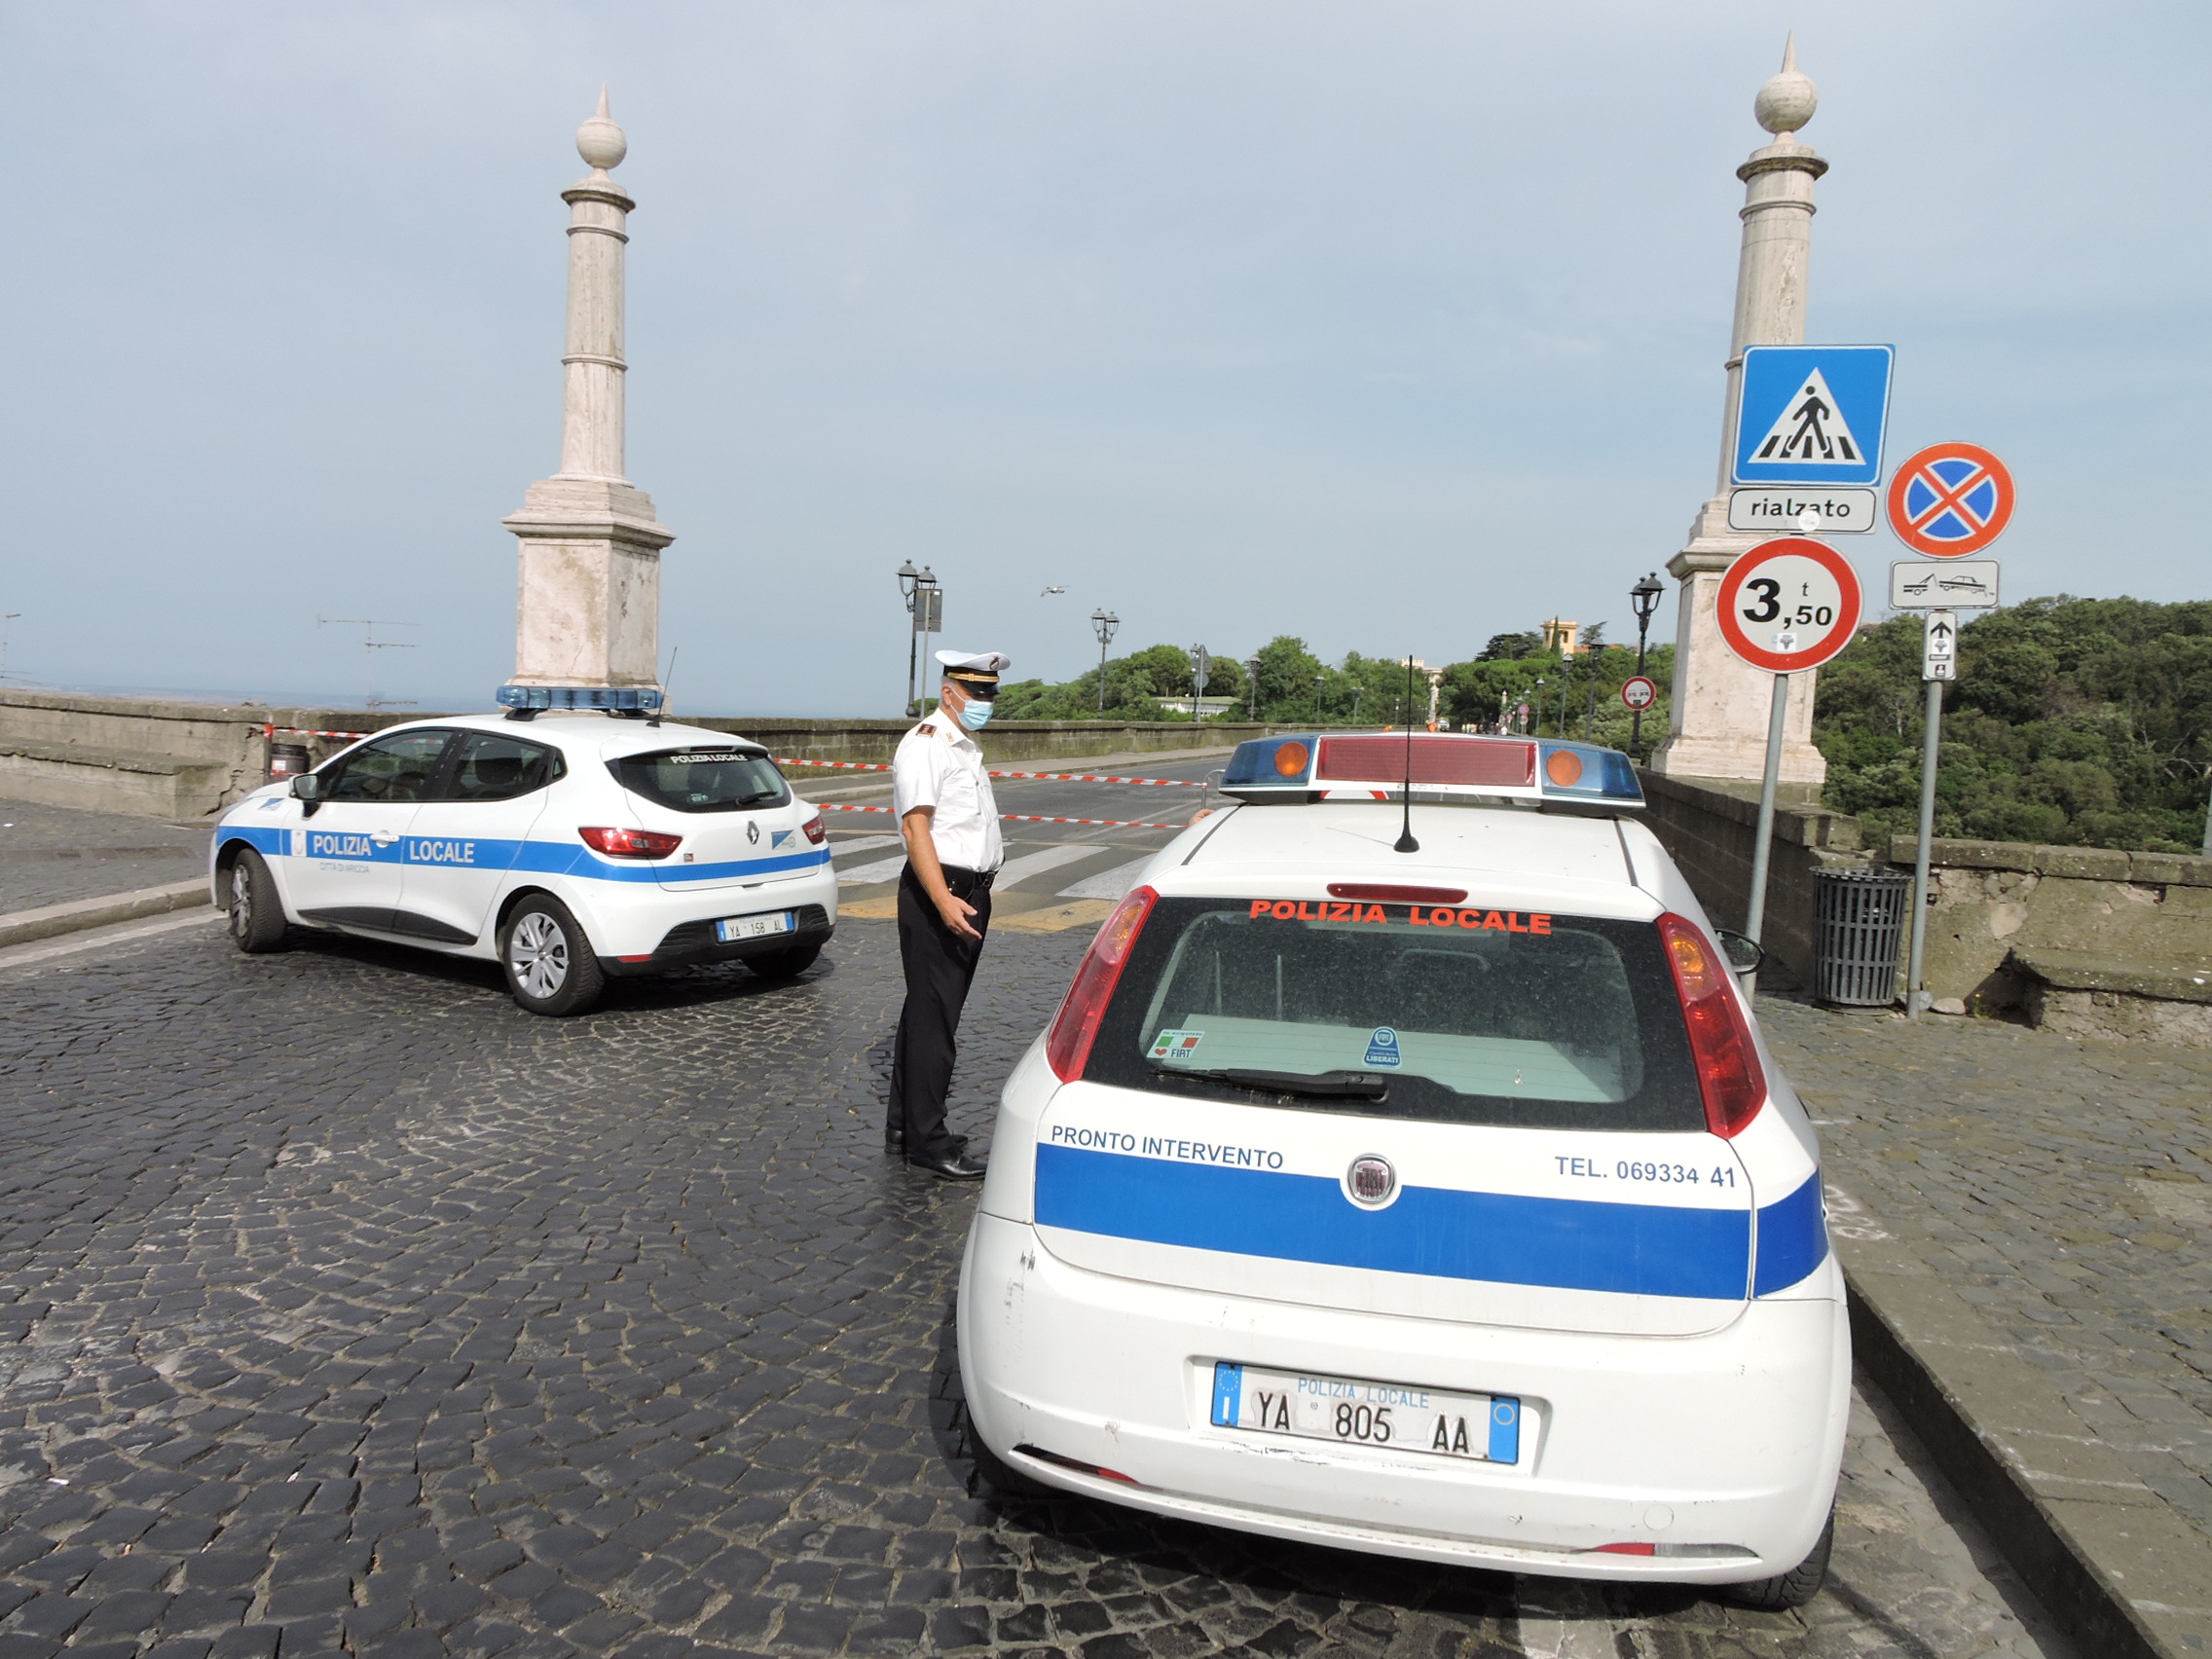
(1731, 1439)
(640, 928)
(691, 942)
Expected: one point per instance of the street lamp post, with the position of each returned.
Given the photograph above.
(1201, 670)
(1537, 729)
(1319, 681)
(1645, 596)
(908, 576)
(1103, 623)
(1252, 687)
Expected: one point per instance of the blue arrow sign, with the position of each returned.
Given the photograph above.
(1812, 414)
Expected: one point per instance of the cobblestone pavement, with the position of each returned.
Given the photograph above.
(2063, 1186)
(49, 853)
(345, 1308)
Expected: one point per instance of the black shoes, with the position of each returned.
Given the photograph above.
(895, 1140)
(950, 1164)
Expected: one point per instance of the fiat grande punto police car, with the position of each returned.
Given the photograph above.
(569, 848)
(1438, 1200)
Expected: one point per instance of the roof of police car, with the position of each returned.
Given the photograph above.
(580, 728)
(1501, 847)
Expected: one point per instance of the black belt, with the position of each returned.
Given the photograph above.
(961, 882)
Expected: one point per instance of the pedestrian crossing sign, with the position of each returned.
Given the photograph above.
(1812, 414)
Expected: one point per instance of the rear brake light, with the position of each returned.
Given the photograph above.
(1622, 1549)
(1068, 1048)
(629, 843)
(813, 831)
(1728, 1072)
(1385, 894)
(1078, 1465)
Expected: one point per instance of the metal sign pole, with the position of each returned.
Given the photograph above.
(1916, 997)
(1754, 919)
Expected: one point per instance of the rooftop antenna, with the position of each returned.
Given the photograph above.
(666, 681)
(1406, 842)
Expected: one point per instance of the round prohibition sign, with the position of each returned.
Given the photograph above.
(1950, 500)
(1788, 605)
(1639, 693)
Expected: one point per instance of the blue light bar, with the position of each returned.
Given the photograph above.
(643, 699)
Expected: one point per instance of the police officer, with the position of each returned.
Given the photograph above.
(950, 822)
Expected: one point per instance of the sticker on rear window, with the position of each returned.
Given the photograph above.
(1175, 1045)
(1383, 1047)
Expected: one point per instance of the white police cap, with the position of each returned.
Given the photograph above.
(976, 662)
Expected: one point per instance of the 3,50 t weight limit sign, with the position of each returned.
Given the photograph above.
(1788, 605)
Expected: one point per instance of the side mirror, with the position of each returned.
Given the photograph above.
(305, 785)
(1745, 954)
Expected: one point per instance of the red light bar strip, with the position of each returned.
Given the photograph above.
(1468, 762)
(1020, 818)
(1051, 777)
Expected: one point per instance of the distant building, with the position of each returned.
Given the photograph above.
(1560, 636)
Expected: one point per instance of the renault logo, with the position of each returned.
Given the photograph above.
(1371, 1181)
(753, 833)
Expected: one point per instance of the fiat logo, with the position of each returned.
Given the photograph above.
(1370, 1181)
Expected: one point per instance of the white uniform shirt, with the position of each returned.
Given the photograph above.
(939, 766)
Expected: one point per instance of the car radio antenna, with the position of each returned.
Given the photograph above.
(1406, 841)
(666, 681)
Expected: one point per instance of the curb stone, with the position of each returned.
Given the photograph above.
(2125, 1575)
(22, 927)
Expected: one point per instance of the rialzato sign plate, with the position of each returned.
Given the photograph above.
(1789, 603)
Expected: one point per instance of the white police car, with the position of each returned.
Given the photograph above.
(1441, 1202)
(569, 848)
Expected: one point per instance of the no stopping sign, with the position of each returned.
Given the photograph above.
(1789, 603)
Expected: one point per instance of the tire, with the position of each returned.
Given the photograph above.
(785, 964)
(549, 962)
(1794, 1588)
(256, 913)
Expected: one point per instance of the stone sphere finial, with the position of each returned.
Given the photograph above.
(1786, 101)
(600, 141)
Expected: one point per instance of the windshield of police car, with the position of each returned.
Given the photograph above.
(1469, 1013)
(703, 780)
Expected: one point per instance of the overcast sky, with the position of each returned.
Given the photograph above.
(1392, 325)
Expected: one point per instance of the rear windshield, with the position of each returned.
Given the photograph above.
(703, 780)
(1459, 1015)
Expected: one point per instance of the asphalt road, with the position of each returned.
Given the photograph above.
(344, 1307)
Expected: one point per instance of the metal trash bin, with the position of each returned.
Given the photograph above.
(1858, 918)
(286, 761)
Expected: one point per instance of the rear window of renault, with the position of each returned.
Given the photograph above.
(1464, 1014)
(703, 780)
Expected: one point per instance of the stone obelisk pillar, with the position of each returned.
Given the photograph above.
(590, 600)
(1718, 718)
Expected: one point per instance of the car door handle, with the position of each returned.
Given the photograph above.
(383, 838)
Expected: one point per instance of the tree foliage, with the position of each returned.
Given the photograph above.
(2073, 722)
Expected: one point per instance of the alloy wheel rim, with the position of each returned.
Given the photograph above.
(241, 901)
(537, 951)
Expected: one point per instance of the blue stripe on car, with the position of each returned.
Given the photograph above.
(1794, 1238)
(1564, 1243)
(542, 857)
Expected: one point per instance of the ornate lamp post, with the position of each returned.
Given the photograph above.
(908, 576)
(1645, 597)
(1103, 623)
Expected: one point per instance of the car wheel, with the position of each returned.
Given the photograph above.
(256, 913)
(549, 963)
(785, 964)
(1794, 1588)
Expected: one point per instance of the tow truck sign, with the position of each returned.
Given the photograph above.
(1917, 585)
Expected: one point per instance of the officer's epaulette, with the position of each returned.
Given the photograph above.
(926, 729)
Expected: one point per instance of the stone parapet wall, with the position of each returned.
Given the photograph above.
(2059, 933)
(180, 759)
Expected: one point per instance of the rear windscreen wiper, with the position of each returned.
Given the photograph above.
(1344, 1084)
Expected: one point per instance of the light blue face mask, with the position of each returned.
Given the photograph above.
(976, 715)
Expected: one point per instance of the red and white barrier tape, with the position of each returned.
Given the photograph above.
(1017, 817)
(1048, 777)
(303, 731)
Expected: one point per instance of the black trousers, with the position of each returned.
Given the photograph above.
(939, 966)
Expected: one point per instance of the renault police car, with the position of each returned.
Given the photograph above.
(1414, 1179)
(569, 847)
